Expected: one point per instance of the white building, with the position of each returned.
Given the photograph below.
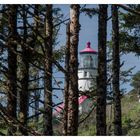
(87, 68)
(87, 73)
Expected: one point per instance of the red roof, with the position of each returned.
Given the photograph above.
(82, 99)
(61, 106)
(88, 49)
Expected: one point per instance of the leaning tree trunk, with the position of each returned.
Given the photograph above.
(73, 70)
(48, 130)
(102, 72)
(116, 72)
(24, 94)
(12, 66)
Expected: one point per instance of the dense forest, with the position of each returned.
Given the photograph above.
(30, 58)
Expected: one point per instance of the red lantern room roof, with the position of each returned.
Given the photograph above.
(88, 49)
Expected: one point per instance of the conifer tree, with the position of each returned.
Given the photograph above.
(48, 130)
(24, 94)
(12, 66)
(102, 72)
(73, 70)
(66, 91)
(116, 72)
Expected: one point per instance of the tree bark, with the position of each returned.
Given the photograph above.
(73, 71)
(24, 95)
(116, 71)
(12, 66)
(102, 72)
(37, 93)
(66, 89)
(48, 130)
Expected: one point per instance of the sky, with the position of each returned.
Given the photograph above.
(89, 32)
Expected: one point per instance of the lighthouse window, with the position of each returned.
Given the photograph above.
(85, 74)
(88, 61)
(91, 61)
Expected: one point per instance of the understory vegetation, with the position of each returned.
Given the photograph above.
(130, 118)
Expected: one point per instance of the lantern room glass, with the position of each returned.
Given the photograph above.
(88, 60)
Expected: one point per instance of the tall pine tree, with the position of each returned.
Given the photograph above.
(12, 66)
(116, 72)
(66, 91)
(102, 72)
(73, 70)
(24, 94)
(48, 130)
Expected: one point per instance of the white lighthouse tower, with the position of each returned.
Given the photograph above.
(87, 71)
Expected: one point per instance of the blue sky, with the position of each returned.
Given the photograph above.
(89, 32)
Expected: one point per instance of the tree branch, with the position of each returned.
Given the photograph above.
(129, 9)
(87, 115)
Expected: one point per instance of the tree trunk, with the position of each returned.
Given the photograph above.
(37, 93)
(73, 71)
(102, 74)
(66, 92)
(116, 72)
(48, 130)
(12, 66)
(24, 95)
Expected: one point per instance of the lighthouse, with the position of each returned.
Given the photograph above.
(87, 70)
(87, 73)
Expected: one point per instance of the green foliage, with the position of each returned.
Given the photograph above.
(130, 118)
(130, 114)
(90, 12)
(134, 132)
(59, 54)
(3, 126)
(130, 121)
(135, 83)
(130, 31)
(88, 131)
